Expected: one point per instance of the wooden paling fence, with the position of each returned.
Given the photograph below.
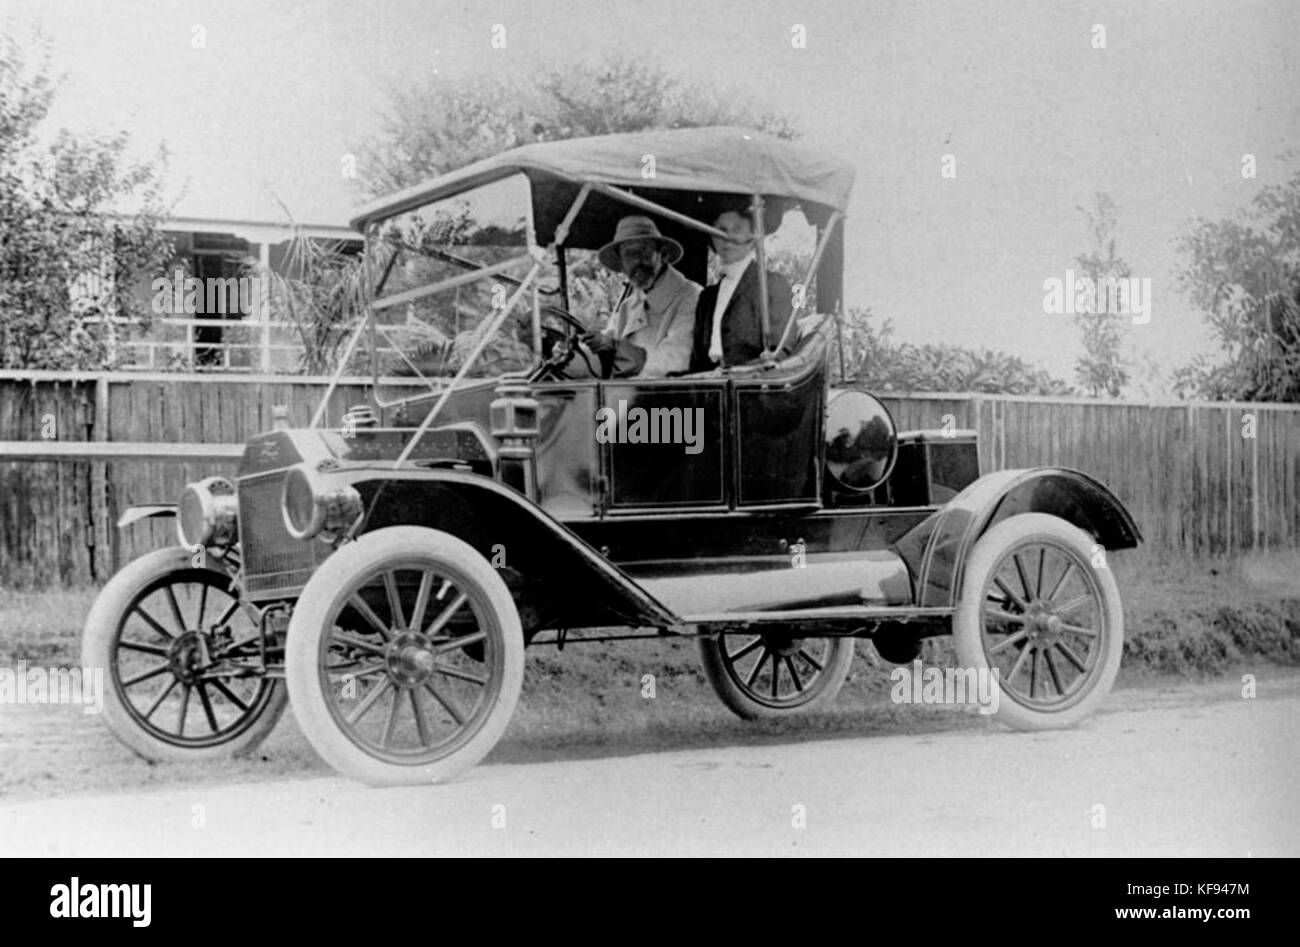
(58, 514)
(1201, 479)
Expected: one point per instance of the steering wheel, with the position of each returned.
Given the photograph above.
(562, 348)
(564, 316)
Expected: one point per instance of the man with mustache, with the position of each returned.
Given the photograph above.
(651, 331)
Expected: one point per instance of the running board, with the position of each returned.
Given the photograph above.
(897, 613)
(759, 585)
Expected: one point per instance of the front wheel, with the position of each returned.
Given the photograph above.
(775, 672)
(1035, 609)
(182, 656)
(405, 657)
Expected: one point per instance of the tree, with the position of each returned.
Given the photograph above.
(1243, 272)
(1100, 370)
(68, 263)
(622, 95)
(435, 126)
(318, 291)
(875, 362)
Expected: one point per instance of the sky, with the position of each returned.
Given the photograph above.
(1036, 116)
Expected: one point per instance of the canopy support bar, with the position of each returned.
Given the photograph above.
(486, 334)
(374, 356)
(451, 282)
(561, 264)
(645, 204)
(562, 231)
(342, 366)
(760, 260)
(831, 224)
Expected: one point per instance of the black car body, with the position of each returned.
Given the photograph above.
(752, 505)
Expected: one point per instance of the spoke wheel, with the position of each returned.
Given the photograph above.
(1035, 609)
(774, 672)
(404, 657)
(182, 661)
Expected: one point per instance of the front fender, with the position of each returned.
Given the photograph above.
(512, 533)
(145, 511)
(936, 549)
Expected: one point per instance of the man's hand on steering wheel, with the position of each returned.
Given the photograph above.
(598, 342)
(584, 335)
(563, 347)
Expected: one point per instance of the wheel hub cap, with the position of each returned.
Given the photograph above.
(187, 656)
(781, 644)
(1042, 624)
(410, 659)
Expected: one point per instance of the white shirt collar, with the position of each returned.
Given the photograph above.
(728, 282)
(734, 269)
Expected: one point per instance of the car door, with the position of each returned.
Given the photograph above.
(663, 444)
(777, 431)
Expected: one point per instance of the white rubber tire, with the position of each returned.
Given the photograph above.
(1024, 530)
(350, 568)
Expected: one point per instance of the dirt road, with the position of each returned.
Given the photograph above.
(1194, 770)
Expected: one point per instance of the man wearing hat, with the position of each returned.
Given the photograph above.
(729, 320)
(651, 331)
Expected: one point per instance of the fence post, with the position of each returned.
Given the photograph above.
(1254, 481)
(1002, 434)
(1227, 425)
(264, 304)
(101, 554)
(1192, 542)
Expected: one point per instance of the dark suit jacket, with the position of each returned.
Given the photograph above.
(742, 322)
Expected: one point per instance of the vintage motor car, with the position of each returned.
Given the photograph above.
(382, 567)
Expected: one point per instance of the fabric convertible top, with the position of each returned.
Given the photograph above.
(689, 165)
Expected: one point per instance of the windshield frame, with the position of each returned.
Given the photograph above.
(538, 255)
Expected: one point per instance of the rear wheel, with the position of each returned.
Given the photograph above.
(1034, 608)
(405, 657)
(775, 672)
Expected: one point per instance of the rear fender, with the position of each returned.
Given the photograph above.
(515, 535)
(936, 549)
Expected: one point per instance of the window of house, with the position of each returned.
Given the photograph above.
(219, 260)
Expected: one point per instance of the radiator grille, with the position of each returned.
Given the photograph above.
(274, 563)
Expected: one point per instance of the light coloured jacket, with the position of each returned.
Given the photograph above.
(661, 323)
